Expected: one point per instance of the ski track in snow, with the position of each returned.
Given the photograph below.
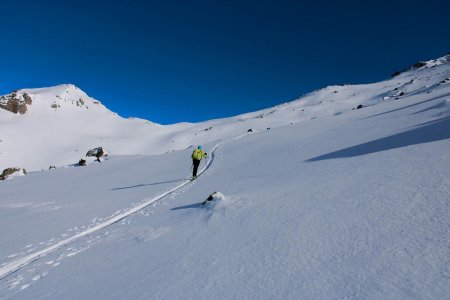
(20, 281)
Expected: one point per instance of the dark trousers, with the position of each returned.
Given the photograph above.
(196, 163)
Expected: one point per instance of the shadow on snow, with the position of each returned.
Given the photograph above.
(194, 205)
(422, 133)
(145, 184)
(408, 106)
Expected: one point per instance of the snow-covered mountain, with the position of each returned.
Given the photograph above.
(57, 125)
(333, 202)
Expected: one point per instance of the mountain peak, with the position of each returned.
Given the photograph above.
(64, 96)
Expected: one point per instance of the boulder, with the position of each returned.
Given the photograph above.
(359, 106)
(96, 152)
(82, 162)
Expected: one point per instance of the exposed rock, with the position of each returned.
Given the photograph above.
(396, 73)
(216, 196)
(27, 99)
(96, 152)
(82, 162)
(359, 106)
(52, 167)
(419, 64)
(10, 171)
(250, 130)
(16, 103)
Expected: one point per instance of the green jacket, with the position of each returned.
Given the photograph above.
(198, 154)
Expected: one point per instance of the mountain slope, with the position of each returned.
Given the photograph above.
(62, 122)
(349, 205)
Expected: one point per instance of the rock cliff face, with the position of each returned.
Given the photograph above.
(16, 103)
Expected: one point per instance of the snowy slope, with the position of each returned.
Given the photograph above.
(58, 129)
(341, 204)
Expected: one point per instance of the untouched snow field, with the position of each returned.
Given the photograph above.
(340, 204)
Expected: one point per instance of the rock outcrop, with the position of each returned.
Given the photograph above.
(15, 102)
(10, 171)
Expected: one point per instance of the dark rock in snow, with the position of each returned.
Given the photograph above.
(395, 74)
(52, 167)
(82, 162)
(359, 106)
(419, 64)
(250, 130)
(10, 171)
(216, 196)
(96, 152)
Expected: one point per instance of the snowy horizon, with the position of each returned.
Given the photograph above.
(202, 60)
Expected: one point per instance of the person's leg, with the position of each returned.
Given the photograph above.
(196, 164)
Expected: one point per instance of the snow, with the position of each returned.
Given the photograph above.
(341, 204)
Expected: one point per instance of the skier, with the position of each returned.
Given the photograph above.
(197, 156)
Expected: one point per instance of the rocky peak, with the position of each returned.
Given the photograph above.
(16, 102)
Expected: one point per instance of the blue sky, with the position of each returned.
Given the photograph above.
(174, 61)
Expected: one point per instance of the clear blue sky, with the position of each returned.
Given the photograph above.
(172, 61)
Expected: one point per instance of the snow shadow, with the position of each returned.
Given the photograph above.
(146, 184)
(441, 104)
(422, 133)
(194, 205)
(408, 106)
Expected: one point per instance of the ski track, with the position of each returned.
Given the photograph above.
(10, 268)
